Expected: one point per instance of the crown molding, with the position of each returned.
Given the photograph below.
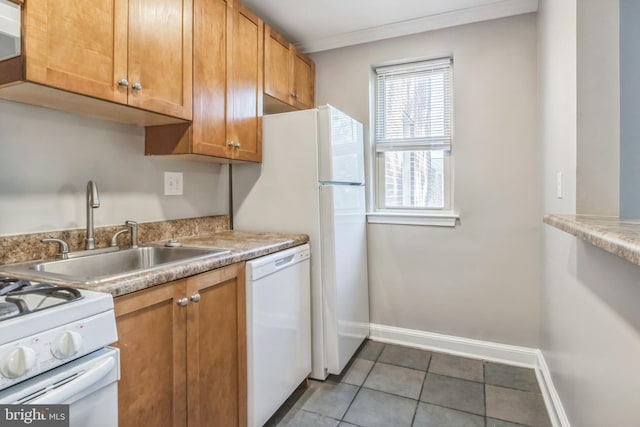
(498, 9)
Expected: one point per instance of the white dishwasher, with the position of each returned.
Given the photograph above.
(278, 329)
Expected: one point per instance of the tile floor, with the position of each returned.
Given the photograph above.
(387, 385)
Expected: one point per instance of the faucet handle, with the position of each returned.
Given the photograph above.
(133, 226)
(64, 247)
(114, 239)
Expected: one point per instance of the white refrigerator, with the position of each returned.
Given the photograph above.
(311, 181)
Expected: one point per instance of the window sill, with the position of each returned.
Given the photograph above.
(441, 219)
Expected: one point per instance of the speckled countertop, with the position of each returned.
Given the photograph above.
(242, 246)
(615, 235)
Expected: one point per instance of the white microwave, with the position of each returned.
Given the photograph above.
(9, 29)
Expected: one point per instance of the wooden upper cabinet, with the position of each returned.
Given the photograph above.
(244, 84)
(304, 81)
(227, 88)
(277, 67)
(227, 114)
(78, 46)
(209, 127)
(129, 52)
(289, 75)
(160, 56)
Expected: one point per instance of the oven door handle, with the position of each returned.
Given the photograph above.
(84, 381)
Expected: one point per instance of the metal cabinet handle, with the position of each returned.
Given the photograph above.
(137, 86)
(123, 82)
(234, 144)
(195, 297)
(295, 95)
(182, 302)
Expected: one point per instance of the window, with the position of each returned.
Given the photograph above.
(413, 137)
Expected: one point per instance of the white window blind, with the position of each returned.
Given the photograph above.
(414, 106)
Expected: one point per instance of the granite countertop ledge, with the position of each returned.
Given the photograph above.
(243, 246)
(615, 235)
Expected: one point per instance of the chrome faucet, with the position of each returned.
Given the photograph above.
(93, 202)
(64, 247)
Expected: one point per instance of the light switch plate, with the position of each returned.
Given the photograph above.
(173, 183)
(559, 185)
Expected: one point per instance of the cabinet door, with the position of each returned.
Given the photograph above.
(304, 81)
(160, 56)
(245, 83)
(277, 69)
(216, 343)
(210, 78)
(152, 342)
(78, 46)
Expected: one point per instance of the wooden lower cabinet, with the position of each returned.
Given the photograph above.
(217, 349)
(184, 365)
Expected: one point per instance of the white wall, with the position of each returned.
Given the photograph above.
(598, 103)
(590, 323)
(591, 331)
(47, 157)
(557, 101)
(481, 279)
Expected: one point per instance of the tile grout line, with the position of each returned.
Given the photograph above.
(417, 401)
(349, 407)
(459, 410)
(484, 364)
(361, 385)
(464, 379)
(426, 372)
(484, 392)
(415, 412)
(317, 413)
(422, 401)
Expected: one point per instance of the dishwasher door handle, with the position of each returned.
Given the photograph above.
(269, 264)
(284, 261)
(77, 385)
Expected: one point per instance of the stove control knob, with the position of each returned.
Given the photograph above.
(17, 362)
(67, 345)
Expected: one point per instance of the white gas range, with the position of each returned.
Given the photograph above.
(53, 350)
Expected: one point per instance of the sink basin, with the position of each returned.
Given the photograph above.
(93, 269)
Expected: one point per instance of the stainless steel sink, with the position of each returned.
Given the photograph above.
(93, 269)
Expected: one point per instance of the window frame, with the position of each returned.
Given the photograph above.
(444, 216)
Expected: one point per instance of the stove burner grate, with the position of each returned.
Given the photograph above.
(21, 297)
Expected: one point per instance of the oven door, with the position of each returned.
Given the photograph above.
(89, 385)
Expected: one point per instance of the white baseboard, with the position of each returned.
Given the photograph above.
(485, 350)
(549, 393)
